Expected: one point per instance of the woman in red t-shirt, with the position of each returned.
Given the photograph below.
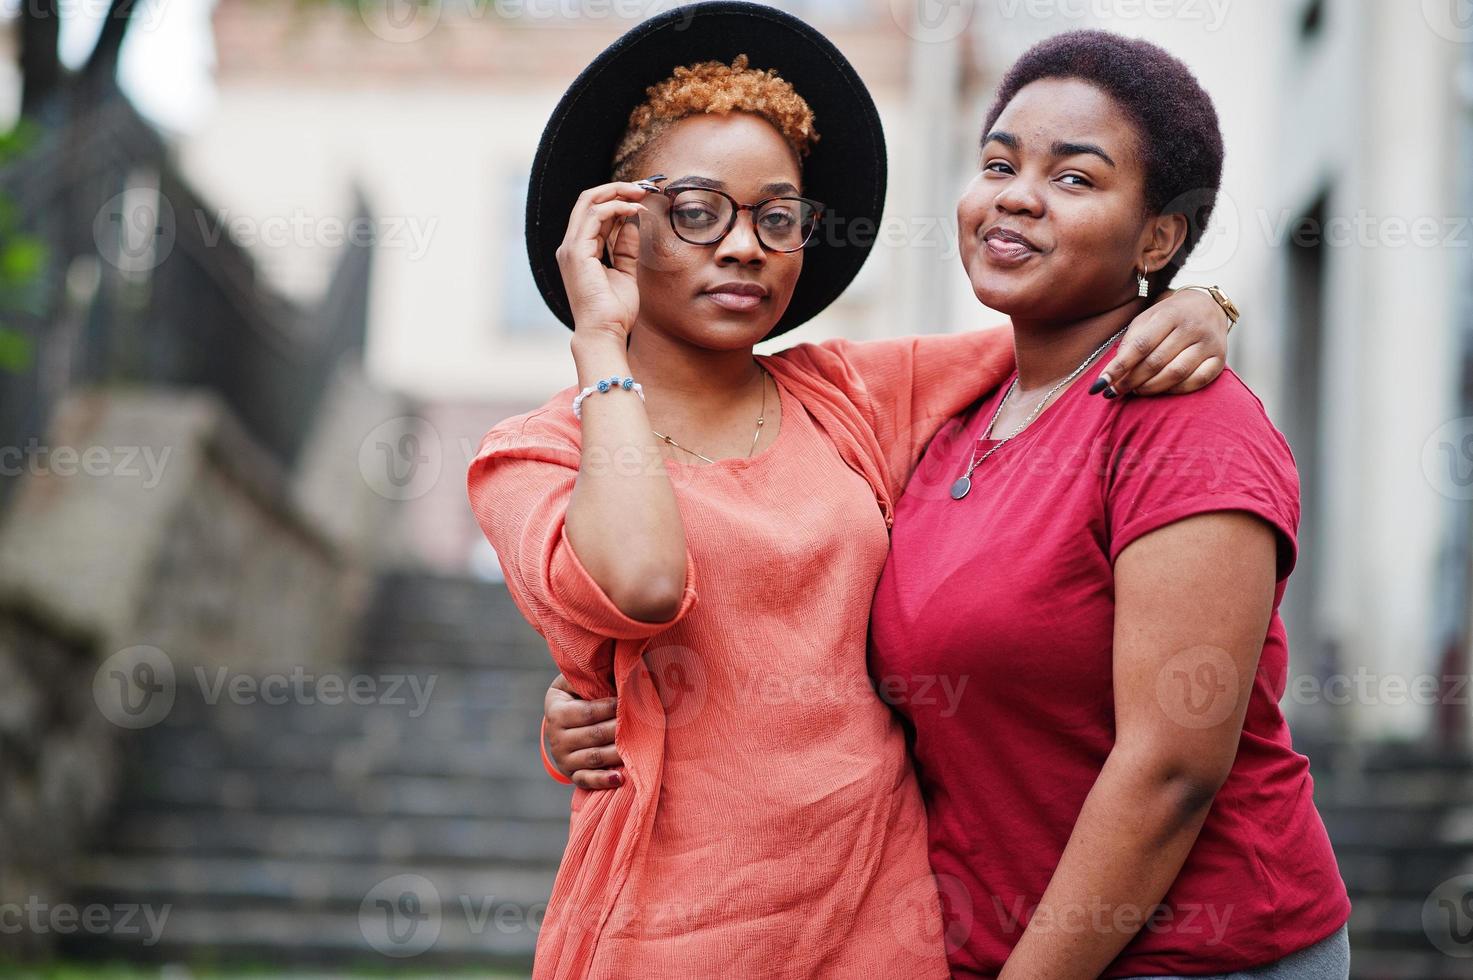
(1079, 614)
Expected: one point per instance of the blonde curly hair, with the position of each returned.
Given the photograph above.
(711, 86)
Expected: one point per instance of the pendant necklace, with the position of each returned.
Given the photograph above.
(761, 421)
(963, 485)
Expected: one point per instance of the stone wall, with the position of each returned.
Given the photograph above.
(148, 537)
(58, 766)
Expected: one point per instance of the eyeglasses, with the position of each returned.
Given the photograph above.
(702, 216)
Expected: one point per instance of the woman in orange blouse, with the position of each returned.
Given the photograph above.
(763, 485)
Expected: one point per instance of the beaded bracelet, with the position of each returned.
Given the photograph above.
(604, 384)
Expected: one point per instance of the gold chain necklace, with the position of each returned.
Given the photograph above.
(761, 421)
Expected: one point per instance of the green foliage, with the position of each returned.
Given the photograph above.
(22, 265)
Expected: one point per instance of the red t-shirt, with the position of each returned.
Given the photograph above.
(992, 635)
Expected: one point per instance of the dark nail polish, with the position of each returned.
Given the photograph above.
(1111, 393)
(1098, 386)
(616, 779)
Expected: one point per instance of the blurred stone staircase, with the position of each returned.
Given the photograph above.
(414, 828)
(309, 833)
(1401, 819)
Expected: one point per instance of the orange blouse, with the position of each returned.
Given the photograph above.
(770, 823)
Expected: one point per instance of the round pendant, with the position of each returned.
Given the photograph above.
(961, 488)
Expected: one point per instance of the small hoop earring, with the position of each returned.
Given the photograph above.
(1143, 285)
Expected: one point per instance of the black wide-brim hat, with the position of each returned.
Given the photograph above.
(845, 170)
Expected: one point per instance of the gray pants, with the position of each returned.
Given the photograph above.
(1328, 959)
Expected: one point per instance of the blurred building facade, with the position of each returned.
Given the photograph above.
(1340, 232)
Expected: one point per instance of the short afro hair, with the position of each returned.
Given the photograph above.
(711, 86)
(1179, 142)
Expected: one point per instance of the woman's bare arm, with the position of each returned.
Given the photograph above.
(622, 521)
(1193, 604)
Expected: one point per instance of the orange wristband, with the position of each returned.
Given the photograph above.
(552, 770)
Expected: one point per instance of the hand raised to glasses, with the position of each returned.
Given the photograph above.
(603, 298)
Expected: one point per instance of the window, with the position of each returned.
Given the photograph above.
(522, 310)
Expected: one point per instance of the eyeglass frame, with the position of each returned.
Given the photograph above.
(737, 208)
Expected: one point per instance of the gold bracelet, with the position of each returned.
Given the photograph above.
(1221, 299)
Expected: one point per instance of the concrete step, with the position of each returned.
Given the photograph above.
(470, 942)
(1378, 825)
(1371, 873)
(275, 792)
(389, 688)
(436, 840)
(1398, 926)
(222, 910)
(391, 755)
(316, 883)
(451, 645)
(1424, 964)
(414, 830)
